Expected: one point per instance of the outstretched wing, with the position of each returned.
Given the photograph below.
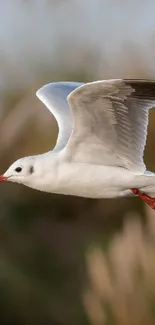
(54, 96)
(110, 122)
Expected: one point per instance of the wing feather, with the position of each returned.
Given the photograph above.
(54, 96)
(110, 122)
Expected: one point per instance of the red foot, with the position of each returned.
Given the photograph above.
(149, 200)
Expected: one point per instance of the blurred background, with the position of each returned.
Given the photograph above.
(67, 260)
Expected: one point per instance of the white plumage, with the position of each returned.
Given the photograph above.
(102, 135)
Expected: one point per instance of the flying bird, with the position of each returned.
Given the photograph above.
(101, 140)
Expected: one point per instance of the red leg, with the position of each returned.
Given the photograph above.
(149, 200)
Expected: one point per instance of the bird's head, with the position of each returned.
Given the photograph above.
(21, 171)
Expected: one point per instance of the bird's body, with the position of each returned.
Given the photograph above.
(102, 135)
(93, 181)
(83, 179)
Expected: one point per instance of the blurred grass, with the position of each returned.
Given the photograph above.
(121, 286)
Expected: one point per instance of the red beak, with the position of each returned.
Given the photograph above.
(3, 178)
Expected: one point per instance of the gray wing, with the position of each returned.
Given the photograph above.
(54, 96)
(110, 122)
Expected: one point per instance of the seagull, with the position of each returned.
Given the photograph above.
(101, 140)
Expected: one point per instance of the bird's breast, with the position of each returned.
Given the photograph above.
(90, 181)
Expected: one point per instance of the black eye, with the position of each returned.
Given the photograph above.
(18, 169)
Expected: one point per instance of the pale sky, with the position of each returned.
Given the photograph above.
(108, 37)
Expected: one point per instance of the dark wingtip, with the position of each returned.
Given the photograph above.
(144, 88)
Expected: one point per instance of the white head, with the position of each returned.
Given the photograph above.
(23, 171)
(34, 171)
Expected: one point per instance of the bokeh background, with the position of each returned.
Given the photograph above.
(67, 260)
